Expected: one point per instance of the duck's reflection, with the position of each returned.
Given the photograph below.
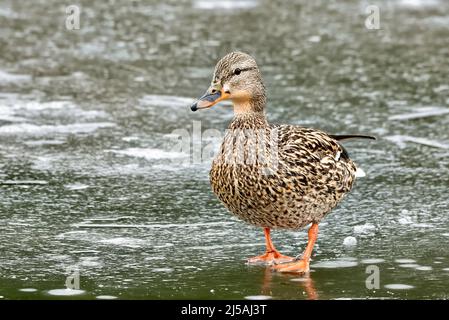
(304, 280)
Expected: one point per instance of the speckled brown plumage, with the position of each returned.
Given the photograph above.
(310, 179)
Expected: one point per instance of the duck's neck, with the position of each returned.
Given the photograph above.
(248, 116)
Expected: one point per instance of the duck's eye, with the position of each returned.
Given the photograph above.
(237, 71)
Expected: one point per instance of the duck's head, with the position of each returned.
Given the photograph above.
(236, 78)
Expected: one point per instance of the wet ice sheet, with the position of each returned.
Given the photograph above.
(166, 101)
(150, 226)
(91, 116)
(401, 140)
(419, 113)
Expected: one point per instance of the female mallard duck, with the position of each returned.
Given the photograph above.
(273, 176)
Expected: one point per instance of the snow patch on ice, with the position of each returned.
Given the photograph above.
(150, 153)
(225, 5)
(350, 242)
(65, 292)
(40, 130)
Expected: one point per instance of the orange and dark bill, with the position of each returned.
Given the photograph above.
(208, 100)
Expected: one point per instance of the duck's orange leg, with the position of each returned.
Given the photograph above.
(271, 255)
(301, 266)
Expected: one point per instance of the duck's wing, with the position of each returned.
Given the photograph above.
(310, 143)
(314, 160)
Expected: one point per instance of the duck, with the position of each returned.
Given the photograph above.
(273, 176)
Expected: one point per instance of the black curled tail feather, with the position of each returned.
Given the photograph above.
(352, 136)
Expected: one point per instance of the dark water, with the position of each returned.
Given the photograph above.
(91, 183)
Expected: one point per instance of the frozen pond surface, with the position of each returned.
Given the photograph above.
(89, 183)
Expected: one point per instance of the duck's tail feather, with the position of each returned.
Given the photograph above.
(352, 136)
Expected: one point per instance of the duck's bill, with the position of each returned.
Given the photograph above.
(208, 100)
